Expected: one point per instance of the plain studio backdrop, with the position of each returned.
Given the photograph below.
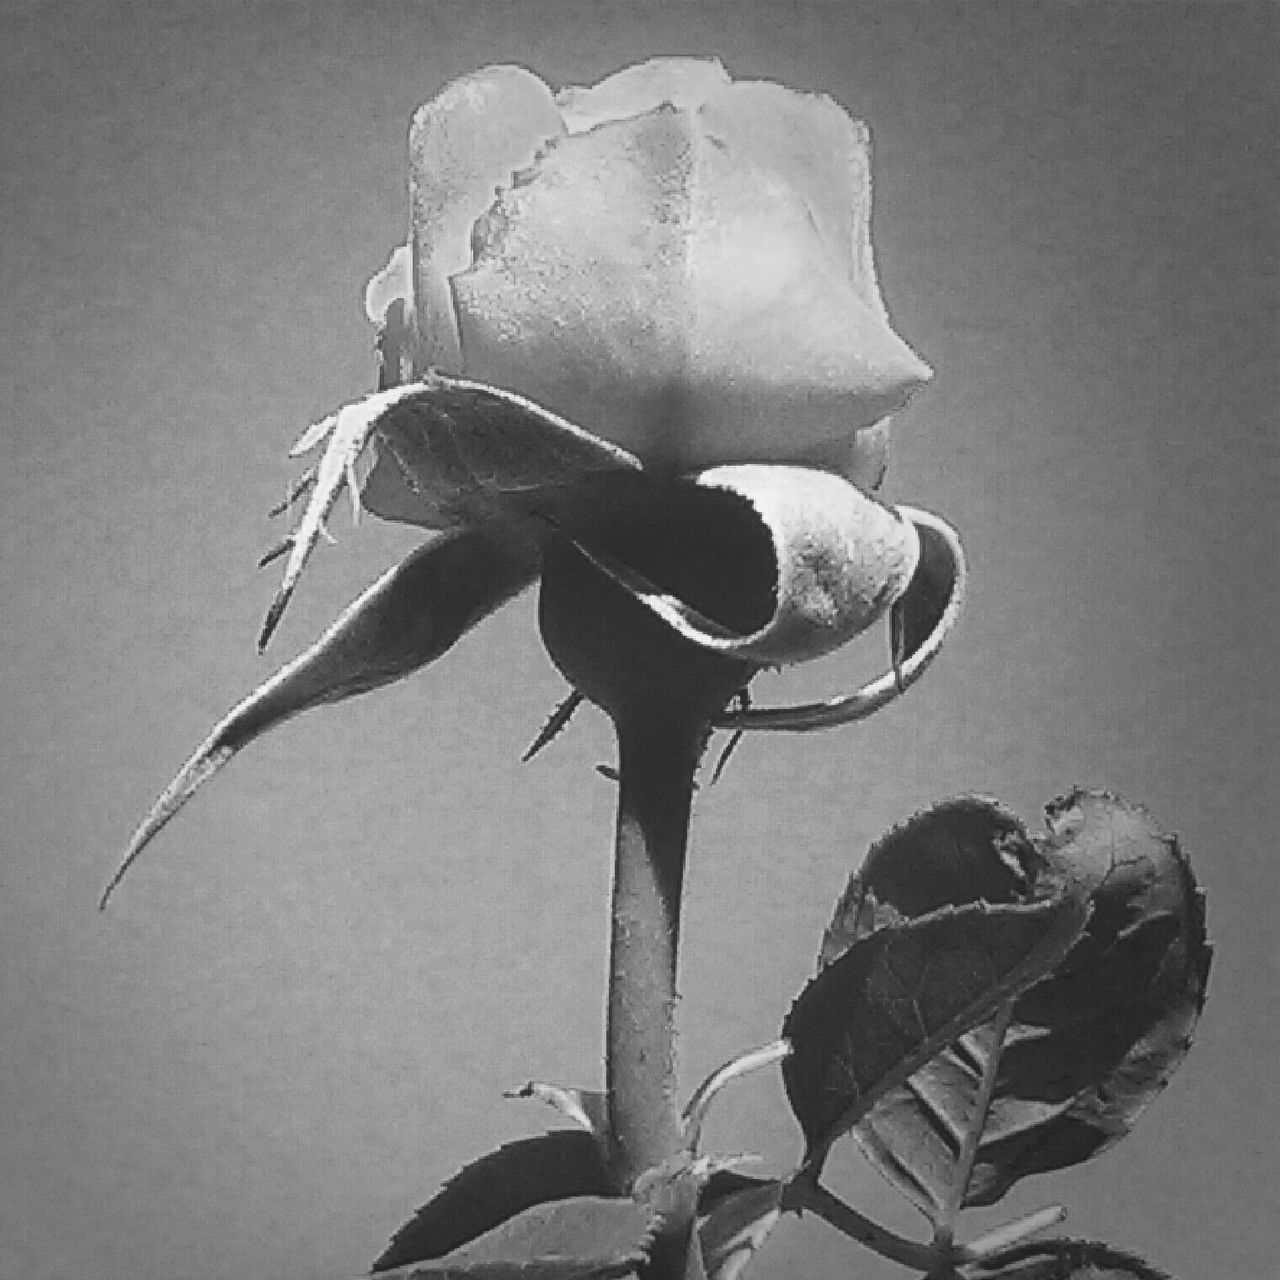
(299, 1014)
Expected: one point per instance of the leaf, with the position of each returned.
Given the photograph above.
(559, 1165)
(406, 619)
(1097, 1041)
(447, 453)
(1065, 1260)
(584, 1238)
(736, 1215)
(1085, 1048)
(895, 998)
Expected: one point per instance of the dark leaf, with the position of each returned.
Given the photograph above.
(551, 1167)
(585, 1238)
(1065, 1260)
(1099, 1039)
(736, 1215)
(895, 998)
(1088, 1046)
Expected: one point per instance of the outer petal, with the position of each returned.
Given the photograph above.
(394, 283)
(408, 618)
(649, 282)
(789, 351)
(684, 82)
(579, 296)
(815, 149)
(463, 145)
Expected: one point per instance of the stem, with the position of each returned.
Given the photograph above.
(658, 753)
(1010, 1234)
(944, 1233)
(803, 1193)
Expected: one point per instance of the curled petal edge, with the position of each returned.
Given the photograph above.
(838, 561)
(928, 610)
(409, 617)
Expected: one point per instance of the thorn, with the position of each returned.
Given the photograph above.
(555, 723)
(303, 484)
(275, 612)
(276, 552)
(743, 700)
(608, 771)
(729, 748)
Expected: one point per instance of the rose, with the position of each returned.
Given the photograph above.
(677, 263)
(623, 310)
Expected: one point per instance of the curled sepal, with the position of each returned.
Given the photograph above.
(446, 453)
(897, 997)
(406, 619)
(552, 1166)
(815, 560)
(922, 618)
(1064, 1260)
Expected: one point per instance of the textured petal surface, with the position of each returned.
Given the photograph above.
(815, 148)
(651, 282)
(463, 145)
(578, 298)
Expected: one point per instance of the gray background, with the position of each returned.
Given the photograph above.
(299, 1014)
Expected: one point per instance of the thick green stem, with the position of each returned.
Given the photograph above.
(658, 754)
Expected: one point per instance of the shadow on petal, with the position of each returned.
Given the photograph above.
(770, 564)
(410, 616)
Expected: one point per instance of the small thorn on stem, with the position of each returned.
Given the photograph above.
(555, 723)
(741, 701)
(302, 485)
(276, 552)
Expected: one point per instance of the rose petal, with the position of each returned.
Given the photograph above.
(394, 283)
(683, 82)
(788, 352)
(649, 283)
(463, 145)
(813, 147)
(862, 458)
(414, 613)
